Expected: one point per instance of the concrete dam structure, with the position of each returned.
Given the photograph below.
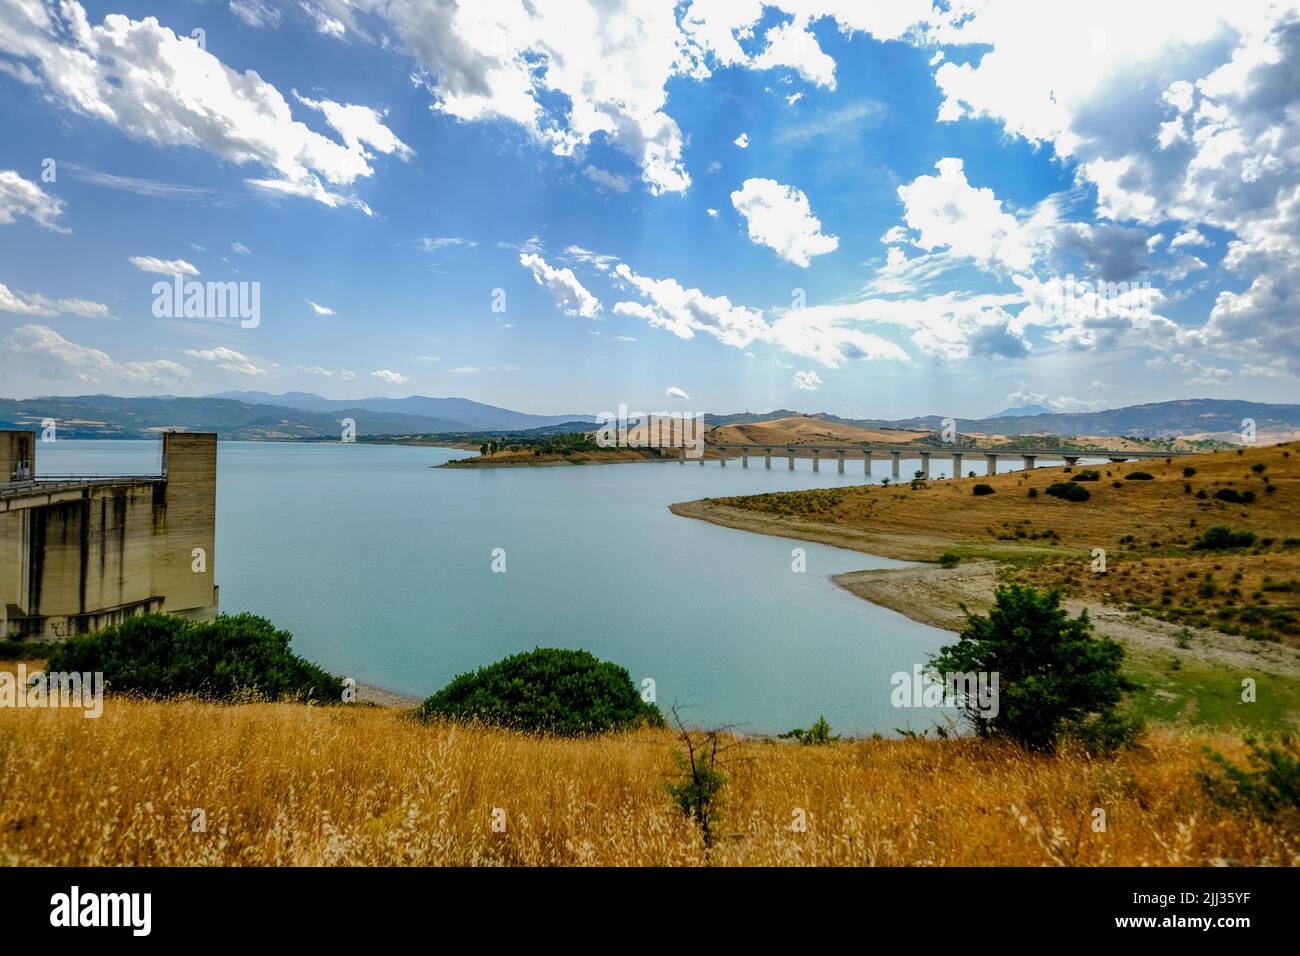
(81, 552)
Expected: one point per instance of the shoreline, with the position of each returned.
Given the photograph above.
(933, 595)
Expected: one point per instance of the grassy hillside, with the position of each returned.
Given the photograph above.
(286, 784)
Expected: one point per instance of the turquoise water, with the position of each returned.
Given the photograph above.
(381, 567)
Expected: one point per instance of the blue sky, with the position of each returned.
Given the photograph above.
(916, 187)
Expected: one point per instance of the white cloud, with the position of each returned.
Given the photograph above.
(20, 197)
(240, 249)
(791, 44)
(255, 13)
(227, 359)
(781, 218)
(742, 141)
(570, 295)
(320, 309)
(672, 391)
(165, 267)
(465, 370)
(713, 213)
(156, 86)
(806, 381)
(26, 303)
(389, 376)
(55, 356)
(949, 213)
(685, 311)
(607, 180)
(437, 243)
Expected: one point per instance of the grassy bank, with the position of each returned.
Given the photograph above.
(288, 784)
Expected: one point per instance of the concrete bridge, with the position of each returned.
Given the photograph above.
(957, 454)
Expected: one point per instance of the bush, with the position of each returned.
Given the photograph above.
(1068, 490)
(1189, 471)
(818, 735)
(1139, 476)
(232, 655)
(1235, 497)
(1268, 786)
(1221, 537)
(16, 649)
(949, 560)
(1088, 474)
(1056, 679)
(982, 489)
(546, 690)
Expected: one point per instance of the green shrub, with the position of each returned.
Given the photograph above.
(1235, 497)
(949, 560)
(546, 690)
(1139, 476)
(1068, 490)
(1088, 474)
(1033, 492)
(1189, 471)
(1268, 786)
(1057, 680)
(231, 655)
(16, 649)
(982, 489)
(819, 734)
(1221, 537)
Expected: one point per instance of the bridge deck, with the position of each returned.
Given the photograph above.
(949, 450)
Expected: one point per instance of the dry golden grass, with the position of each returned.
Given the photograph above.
(1158, 511)
(285, 784)
(803, 429)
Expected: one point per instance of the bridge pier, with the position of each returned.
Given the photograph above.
(744, 457)
(1117, 461)
(681, 455)
(790, 452)
(839, 455)
(1029, 461)
(991, 464)
(1071, 460)
(897, 457)
(767, 458)
(817, 459)
(722, 455)
(866, 461)
(925, 464)
(956, 464)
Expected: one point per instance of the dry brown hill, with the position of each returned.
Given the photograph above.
(803, 430)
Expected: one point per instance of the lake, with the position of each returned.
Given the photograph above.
(381, 567)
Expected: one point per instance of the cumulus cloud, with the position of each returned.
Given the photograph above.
(320, 309)
(570, 295)
(255, 13)
(781, 218)
(162, 88)
(682, 311)
(672, 391)
(389, 376)
(742, 141)
(55, 357)
(165, 267)
(606, 180)
(22, 198)
(228, 360)
(30, 303)
(806, 381)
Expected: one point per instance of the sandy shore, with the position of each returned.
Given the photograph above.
(934, 595)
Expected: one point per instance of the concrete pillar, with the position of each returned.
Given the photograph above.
(839, 454)
(866, 461)
(897, 455)
(991, 464)
(17, 455)
(681, 455)
(817, 459)
(767, 458)
(1071, 460)
(744, 457)
(1029, 461)
(722, 457)
(956, 464)
(790, 452)
(1117, 461)
(925, 464)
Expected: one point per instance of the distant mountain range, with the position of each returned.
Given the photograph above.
(260, 416)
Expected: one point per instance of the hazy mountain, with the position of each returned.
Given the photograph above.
(1023, 410)
(470, 415)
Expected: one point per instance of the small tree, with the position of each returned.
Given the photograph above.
(819, 734)
(700, 782)
(1055, 677)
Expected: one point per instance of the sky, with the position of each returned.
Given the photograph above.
(870, 209)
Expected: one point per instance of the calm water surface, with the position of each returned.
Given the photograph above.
(380, 566)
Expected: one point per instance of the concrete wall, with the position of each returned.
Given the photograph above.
(17, 452)
(79, 558)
